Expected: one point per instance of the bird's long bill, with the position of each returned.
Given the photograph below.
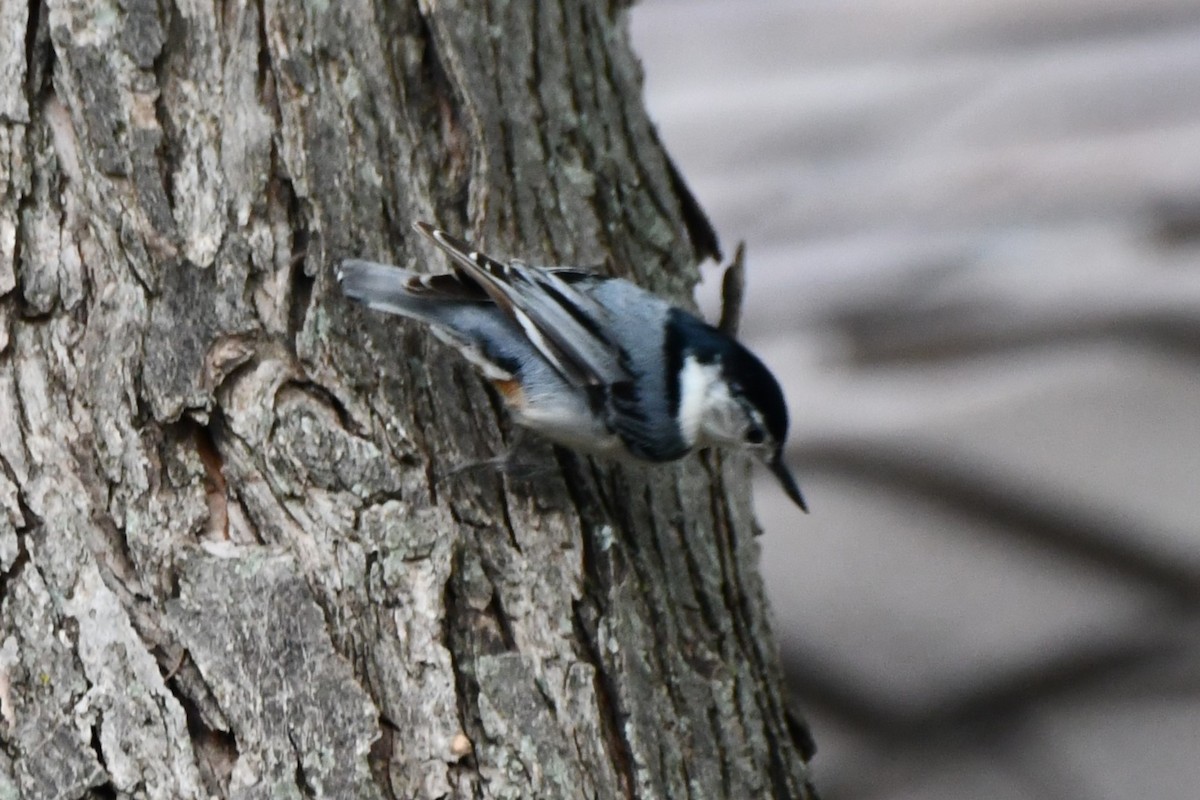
(789, 483)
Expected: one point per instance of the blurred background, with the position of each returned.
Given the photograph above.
(974, 261)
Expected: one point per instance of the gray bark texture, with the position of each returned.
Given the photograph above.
(235, 557)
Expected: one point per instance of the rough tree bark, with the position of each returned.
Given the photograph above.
(232, 562)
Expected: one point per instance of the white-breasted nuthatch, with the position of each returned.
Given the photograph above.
(594, 363)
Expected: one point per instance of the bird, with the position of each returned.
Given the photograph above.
(591, 362)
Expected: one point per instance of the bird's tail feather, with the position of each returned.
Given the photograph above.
(390, 289)
(457, 313)
(377, 286)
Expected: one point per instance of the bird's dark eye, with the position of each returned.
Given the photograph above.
(755, 435)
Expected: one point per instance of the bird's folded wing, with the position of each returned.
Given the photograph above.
(568, 328)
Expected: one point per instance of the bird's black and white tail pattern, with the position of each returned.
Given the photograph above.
(400, 291)
(454, 309)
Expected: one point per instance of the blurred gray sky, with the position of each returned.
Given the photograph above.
(974, 261)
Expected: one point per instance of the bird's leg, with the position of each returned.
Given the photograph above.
(510, 461)
(495, 462)
(524, 459)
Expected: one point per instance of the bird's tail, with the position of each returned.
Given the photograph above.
(456, 311)
(381, 287)
(437, 299)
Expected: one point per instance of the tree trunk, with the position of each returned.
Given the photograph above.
(235, 557)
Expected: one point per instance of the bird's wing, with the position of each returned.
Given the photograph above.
(566, 326)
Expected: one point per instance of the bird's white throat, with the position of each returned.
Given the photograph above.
(704, 401)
